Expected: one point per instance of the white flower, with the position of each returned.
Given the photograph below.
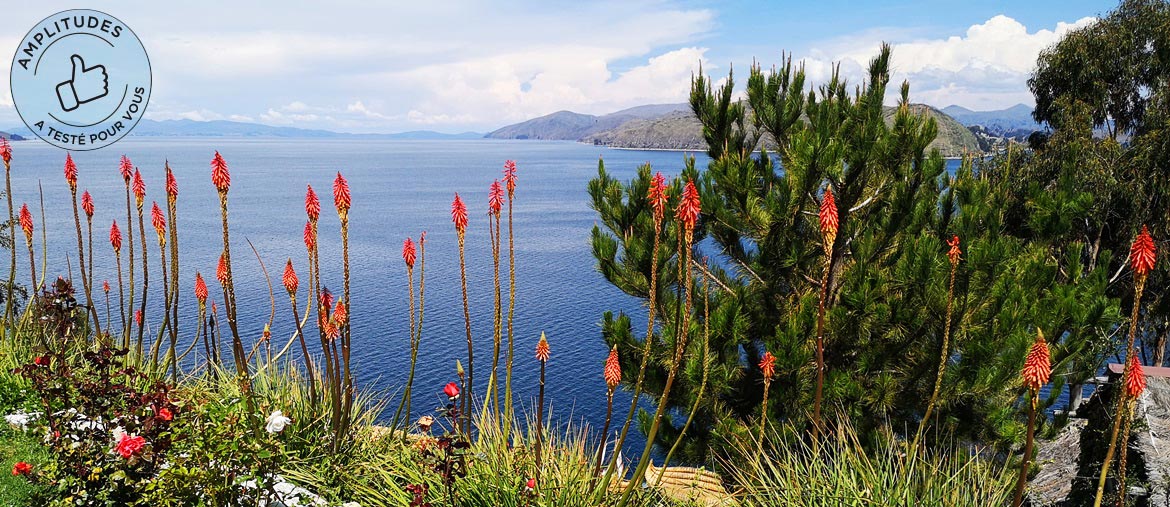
(118, 433)
(276, 422)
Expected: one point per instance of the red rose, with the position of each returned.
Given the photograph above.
(21, 468)
(451, 390)
(130, 445)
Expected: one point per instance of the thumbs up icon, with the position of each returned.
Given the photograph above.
(87, 84)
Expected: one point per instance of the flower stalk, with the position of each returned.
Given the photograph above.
(459, 218)
(510, 184)
(71, 179)
(127, 168)
(657, 196)
(703, 387)
(1142, 256)
(954, 255)
(687, 213)
(139, 188)
(116, 243)
(613, 377)
(26, 225)
(341, 200)
(495, 202)
(828, 221)
(1037, 370)
(542, 356)
(6, 156)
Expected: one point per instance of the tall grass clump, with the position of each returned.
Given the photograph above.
(844, 472)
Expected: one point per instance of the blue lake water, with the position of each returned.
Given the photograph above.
(399, 188)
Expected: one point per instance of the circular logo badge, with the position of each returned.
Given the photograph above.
(80, 80)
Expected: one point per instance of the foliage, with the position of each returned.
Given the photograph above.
(847, 474)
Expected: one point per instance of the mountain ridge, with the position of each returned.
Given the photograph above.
(226, 128)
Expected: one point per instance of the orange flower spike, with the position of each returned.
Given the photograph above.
(689, 207)
(408, 253)
(495, 198)
(290, 278)
(312, 204)
(828, 213)
(768, 365)
(87, 203)
(510, 177)
(1143, 253)
(5, 151)
(1038, 364)
(221, 271)
(116, 237)
(172, 184)
(106, 286)
(954, 254)
(219, 173)
(613, 369)
(1135, 383)
(26, 222)
(459, 214)
(200, 289)
(126, 167)
(542, 352)
(139, 187)
(339, 314)
(341, 198)
(70, 172)
(158, 221)
(310, 242)
(331, 331)
(658, 195)
(138, 317)
(266, 334)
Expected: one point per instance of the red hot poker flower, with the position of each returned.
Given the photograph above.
(172, 184)
(613, 369)
(312, 204)
(1135, 383)
(158, 220)
(138, 317)
(26, 222)
(341, 194)
(5, 151)
(116, 237)
(510, 177)
(200, 288)
(105, 286)
(139, 187)
(408, 253)
(1142, 253)
(70, 172)
(21, 468)
(326, 298)
(451, 390)
(658, 195)
(954, 254)
(459, 214)
(87, 203)
(768, 365)
(828, 213)
(495, 198)
(339, 314)
(1038, 364)
(290, 278)
(221, 270)
(689, 208)
(542, 352)
(126, 167)
(310, 241)
(330, 329)
(219, 173)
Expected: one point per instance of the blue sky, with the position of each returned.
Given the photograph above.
(462, 65)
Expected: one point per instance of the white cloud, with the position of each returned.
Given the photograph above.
(985, 68)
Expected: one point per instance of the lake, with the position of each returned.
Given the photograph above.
(399, 189)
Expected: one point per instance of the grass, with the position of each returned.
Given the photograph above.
(17, 446)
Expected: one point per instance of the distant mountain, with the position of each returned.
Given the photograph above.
(570, 126)
(674, 127)
(221, 128)
(1010, 122)
(14, 137)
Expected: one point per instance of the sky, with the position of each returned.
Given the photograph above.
(455, 66)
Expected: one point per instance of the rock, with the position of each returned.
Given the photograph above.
(1057, 459)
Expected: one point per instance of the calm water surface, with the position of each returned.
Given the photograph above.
(399, 188)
